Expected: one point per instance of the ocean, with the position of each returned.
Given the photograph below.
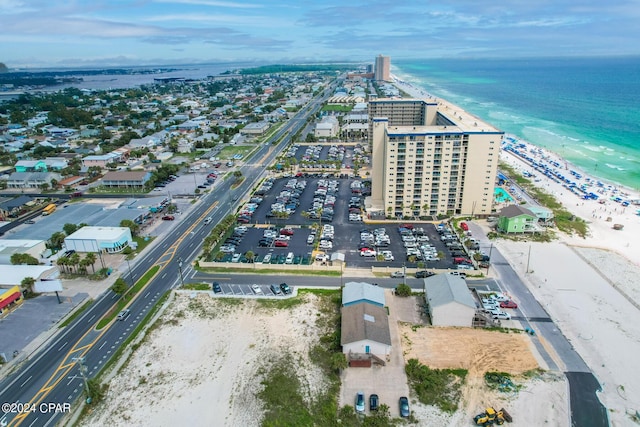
(586, 110)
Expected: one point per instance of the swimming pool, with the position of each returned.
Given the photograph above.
(501, 196)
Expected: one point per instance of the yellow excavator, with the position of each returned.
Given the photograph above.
(490, 416)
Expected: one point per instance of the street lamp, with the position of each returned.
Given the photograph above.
(130, 273)
(180, 268)
(404, 274)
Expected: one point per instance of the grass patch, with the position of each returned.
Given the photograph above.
(127, 297)
(280, 304)
(438, 387)
(285, 397)
(76, 314)
(283, 400)
(196, 286)
(269, 271)
(231, 150)
(143, 242)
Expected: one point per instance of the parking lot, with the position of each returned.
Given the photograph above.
(274, 290)
(306, 205)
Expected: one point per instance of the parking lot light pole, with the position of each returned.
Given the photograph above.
(404, 274)
(180, 269)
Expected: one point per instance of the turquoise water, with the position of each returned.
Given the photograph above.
(501, 196)
(584, 109)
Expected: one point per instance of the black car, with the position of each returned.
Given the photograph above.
(373, 402)
(265, 242)
(216, 288)
(285, 288)
(423, 274)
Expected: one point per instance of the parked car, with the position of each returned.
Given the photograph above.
(464, 226)
(275, 289)
(168, 218)
(502, 316)
(404, 407)
(287, 231)
(256, 289)
(360, 402)
(285, 288)
(281, 244)
(508, 304)
(374, 402)
(397, 275)
(216, 288)
(368, 253)
(423, 274)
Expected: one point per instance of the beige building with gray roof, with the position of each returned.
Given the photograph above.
(365, 330)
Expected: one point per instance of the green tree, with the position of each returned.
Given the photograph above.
(70, 228)
(119, 286)
(131, 225)
(91, 259)
(74, 260)
(250, 256)
(403, 290)
(339, 361)
(56, 240)
(20, 259)
(27, 284)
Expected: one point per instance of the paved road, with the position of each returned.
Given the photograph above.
(586, 409)
(53, 376)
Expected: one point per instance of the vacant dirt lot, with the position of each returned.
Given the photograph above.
(202, 364)
(480, 351)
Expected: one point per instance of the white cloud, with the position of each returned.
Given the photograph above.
(214, 3)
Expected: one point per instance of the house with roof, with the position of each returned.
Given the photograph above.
(327, 128)
(31, 179)
(99, 239)
(12, 208)
(100, 160)
(43, 165)
(255, 129)
(365, 330)
(517, 219)
(361, 293)
(449, 300)
(126, 179)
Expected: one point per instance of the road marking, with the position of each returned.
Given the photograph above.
(26, 381)
(34, 421)
(164, 275)
(147, 294)
(70, 381)
(91, 318)
(62, 346)
(103, 344)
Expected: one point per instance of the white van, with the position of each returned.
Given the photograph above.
(289, 259)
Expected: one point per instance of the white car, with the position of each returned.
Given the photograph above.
(502, 316)
(236, 258)
(256, 289)
(388, 255)
(368, 253)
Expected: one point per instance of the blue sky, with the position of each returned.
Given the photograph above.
(39, 33)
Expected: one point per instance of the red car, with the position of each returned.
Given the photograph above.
(461, 260)
(464, 226)
(508, 304)
(168, 217)
(281, 244)
(286, 232)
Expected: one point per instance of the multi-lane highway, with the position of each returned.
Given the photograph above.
(53, 376)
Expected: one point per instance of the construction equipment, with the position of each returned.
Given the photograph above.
(490, 416)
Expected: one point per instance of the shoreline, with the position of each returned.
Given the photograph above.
(414, 89)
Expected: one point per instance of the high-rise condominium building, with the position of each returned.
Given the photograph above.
(382, 71)
(430, 157)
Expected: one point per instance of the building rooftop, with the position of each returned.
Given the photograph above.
(365, 322)
(442, 289)
(361, 291)
(11, 275)
(96, 233)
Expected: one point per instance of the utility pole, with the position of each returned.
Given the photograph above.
(130, 273)
(489, 262)
(404, 274)
(180, 268)
(528, 260)
(83, 372)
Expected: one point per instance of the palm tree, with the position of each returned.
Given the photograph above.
(62, 263)
(91, 260)
(74, 260)
(83, 264)
(27, 284)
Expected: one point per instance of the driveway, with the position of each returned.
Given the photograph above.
(389, 382)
